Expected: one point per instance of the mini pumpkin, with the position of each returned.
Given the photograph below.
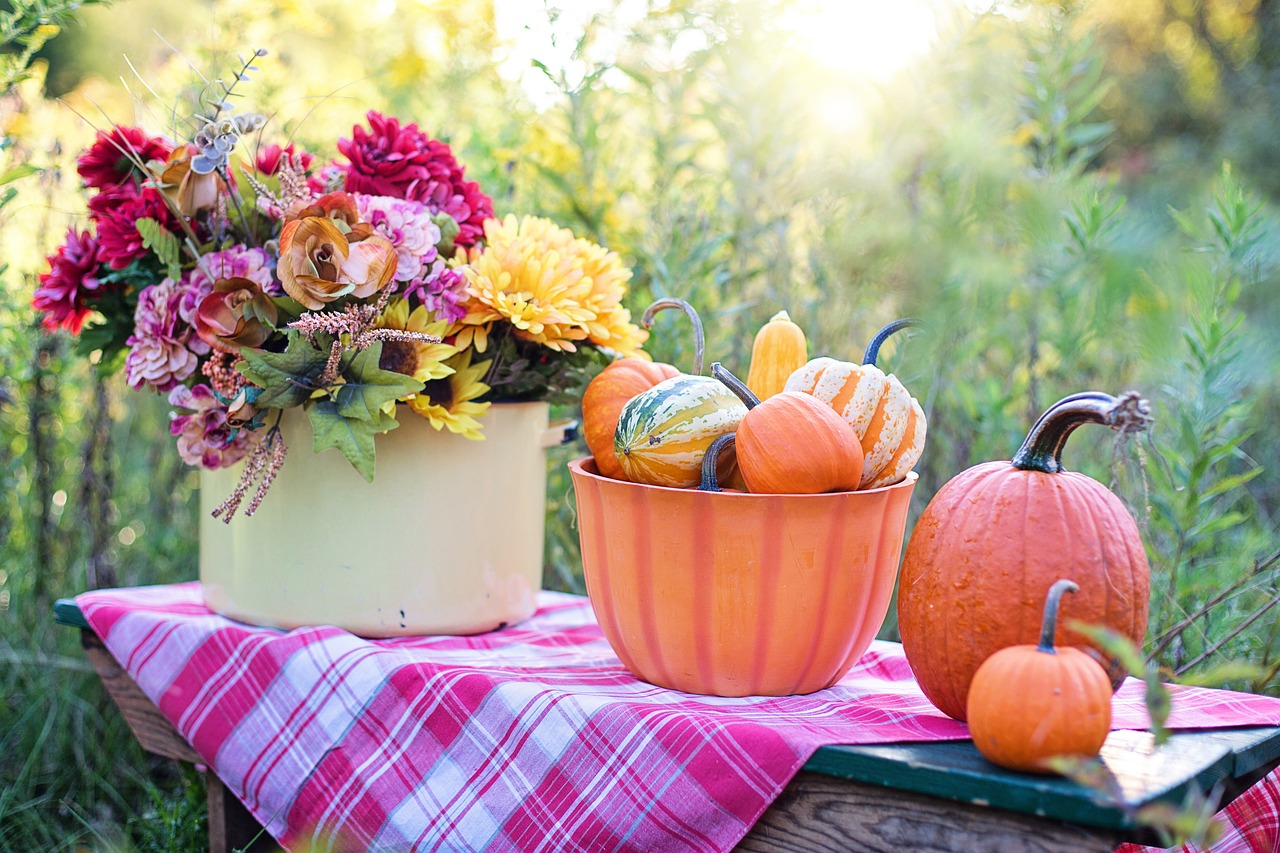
(995, 538)
(778, 351)
(1030, 703)
(792, 443)
(624, 379)
(604, 399)
(889, 422)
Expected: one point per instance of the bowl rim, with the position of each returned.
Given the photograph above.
(578, 466)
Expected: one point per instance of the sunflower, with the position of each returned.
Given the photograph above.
(450, 401)
(423, 361)
(553, 288)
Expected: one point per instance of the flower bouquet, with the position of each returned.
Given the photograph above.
(258, 287)
(243, 278)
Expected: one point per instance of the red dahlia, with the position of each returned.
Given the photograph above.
(109, 162)
(119, 242)
(404, 162)
(71, 277)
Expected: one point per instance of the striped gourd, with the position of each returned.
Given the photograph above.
(664, 432)
(888, 420)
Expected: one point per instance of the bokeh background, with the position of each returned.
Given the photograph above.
(1072, 196)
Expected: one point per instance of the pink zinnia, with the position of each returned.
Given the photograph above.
(406, 163)
(70, 279)
(109, 162)
(409, 227)
(204, 437)
(441, 289)
(119, 243)
(160, 354)
(268, 158)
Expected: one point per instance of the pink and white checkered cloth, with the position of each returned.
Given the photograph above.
(531, 738)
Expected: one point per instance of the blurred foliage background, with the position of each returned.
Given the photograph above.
(1072, 196)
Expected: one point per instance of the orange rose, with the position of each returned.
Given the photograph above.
(318, 263)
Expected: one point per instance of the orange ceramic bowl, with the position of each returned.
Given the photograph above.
(735, 594)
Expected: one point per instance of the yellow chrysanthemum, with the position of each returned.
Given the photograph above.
(553, 288)
(422, 361)
(450, 402)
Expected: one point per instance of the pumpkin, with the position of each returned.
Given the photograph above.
(1031, 703)
(623, 379)
(889, 422)
(793, 443)
(995, 538)
(664, 432)
(604, 398)
(779, 350)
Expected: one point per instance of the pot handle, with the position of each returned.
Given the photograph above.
(559, 432)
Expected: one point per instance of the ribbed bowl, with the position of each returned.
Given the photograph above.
(735, 594)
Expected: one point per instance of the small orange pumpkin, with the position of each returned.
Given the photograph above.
(996, 536)
(604, 398)
(1031, 703)
(792, 443)
(889, 422)
(778, 351)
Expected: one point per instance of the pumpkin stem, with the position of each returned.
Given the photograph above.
(1042, 449)
(1050, 623)
(699, 338)
(710, 481)
(736, 385)
(873, 348)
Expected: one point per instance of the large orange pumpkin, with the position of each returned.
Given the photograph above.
(994, 539)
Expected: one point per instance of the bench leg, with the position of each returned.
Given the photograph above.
(231, 827)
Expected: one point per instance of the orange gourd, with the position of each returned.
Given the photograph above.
(1034, 702)
(792, 443)
(996, 537)
(778, 351)
(889, 422)
(604, 398)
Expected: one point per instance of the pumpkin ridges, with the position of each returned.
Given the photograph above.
(888, 424)
(604, 399)
(908, 452)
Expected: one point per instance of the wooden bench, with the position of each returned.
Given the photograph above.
(890, 797)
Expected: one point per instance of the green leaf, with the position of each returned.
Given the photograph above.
(368, 387)
(163, 243)
(354, 438)
(17, 173)
(287, 378)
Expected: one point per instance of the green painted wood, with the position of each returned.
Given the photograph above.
(1145, 774)
(67, 612)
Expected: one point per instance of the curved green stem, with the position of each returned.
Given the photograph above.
(710, 480)
(1042, 449)
(873, 348)
(736, 385)
(1050, 623)
(699, 338)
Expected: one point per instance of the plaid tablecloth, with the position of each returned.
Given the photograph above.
(530, 738)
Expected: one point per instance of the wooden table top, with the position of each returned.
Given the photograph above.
(1231, 759)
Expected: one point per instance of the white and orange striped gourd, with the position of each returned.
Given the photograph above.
(889, 422)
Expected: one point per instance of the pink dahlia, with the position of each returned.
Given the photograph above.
(267, 160)
(160, 348)
(111, 160)
(70, 279)
(204, 436)
(236, 262)
(406, 163)
(119, 243)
